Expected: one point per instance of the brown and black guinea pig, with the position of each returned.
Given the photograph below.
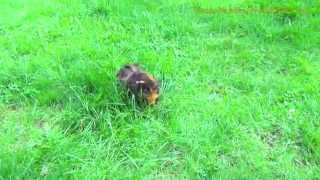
(141, 84)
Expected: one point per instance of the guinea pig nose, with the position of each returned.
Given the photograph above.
(152, 103)
(152, 99)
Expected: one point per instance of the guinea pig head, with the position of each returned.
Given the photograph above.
(147, 87)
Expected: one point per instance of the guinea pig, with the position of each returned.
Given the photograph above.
(141, 84)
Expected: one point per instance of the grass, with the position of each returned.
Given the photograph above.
(239, 91)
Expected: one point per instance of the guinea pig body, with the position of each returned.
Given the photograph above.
(139, 83)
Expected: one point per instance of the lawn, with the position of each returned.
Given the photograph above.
(240, 89)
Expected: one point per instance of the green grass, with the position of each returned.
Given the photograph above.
(240, 92)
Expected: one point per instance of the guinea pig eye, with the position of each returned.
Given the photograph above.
(145, 90)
